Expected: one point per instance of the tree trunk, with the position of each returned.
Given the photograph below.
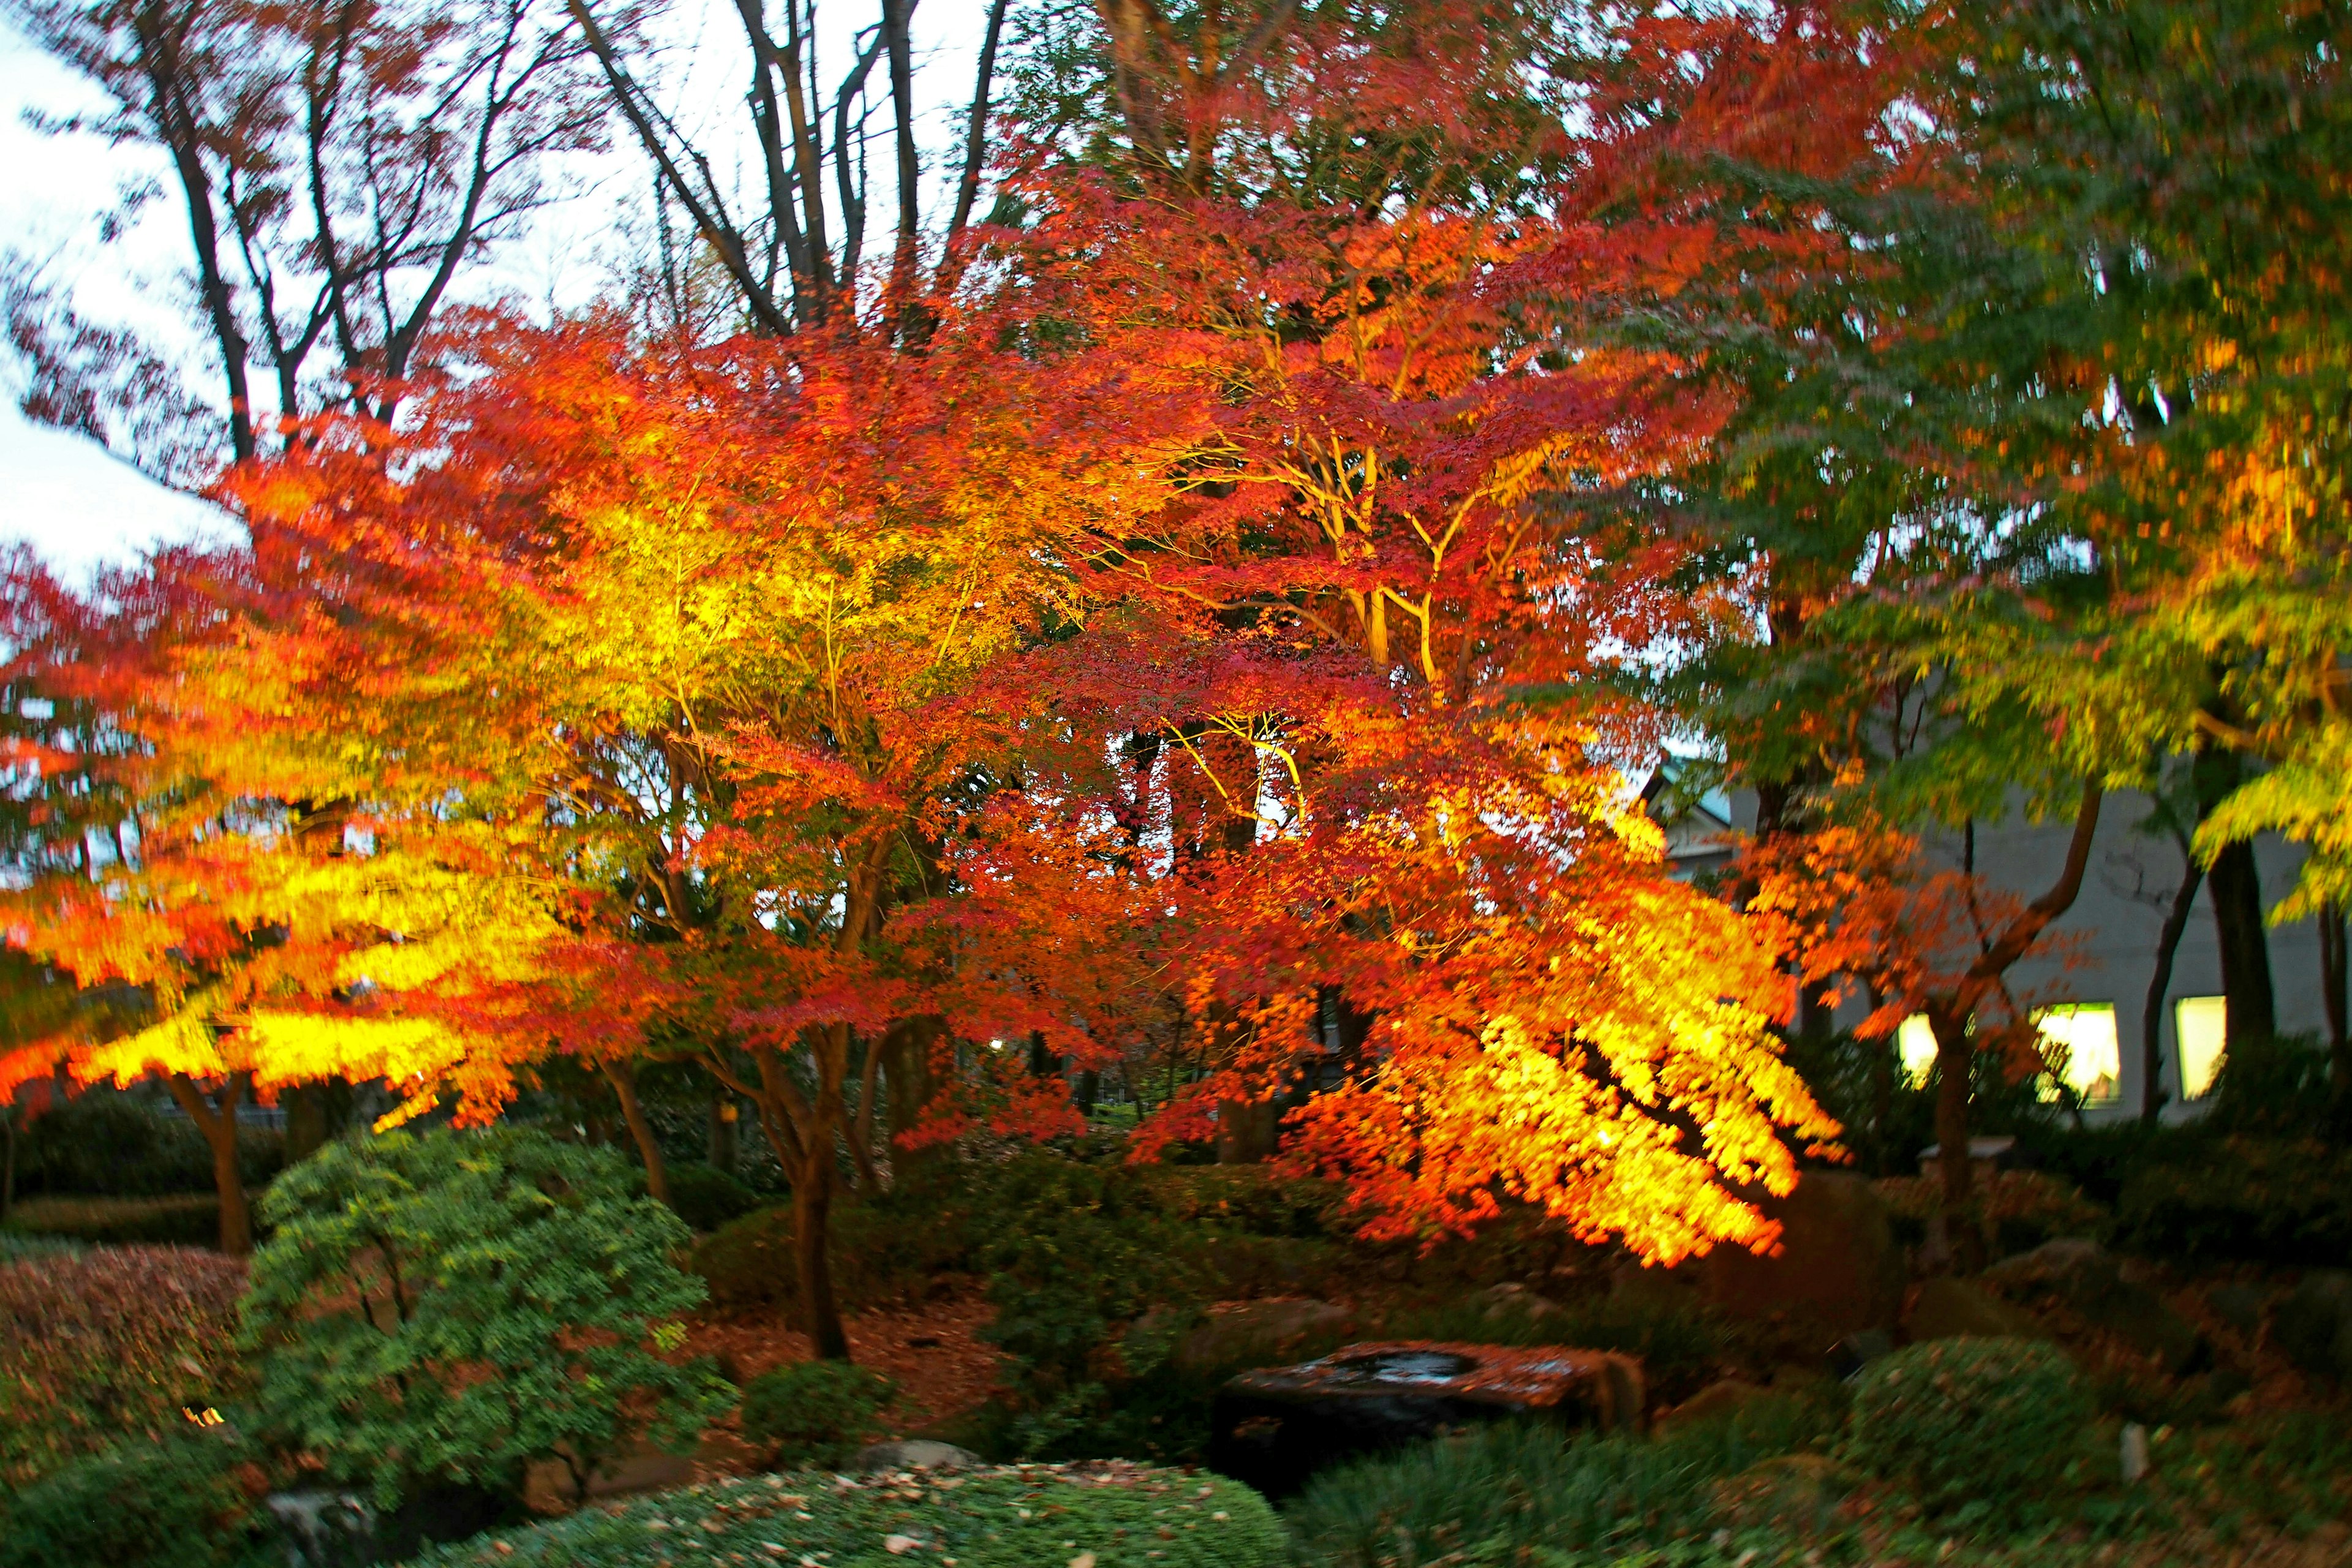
(8, 1168)
(2151, 1022)
(624, 1077)
(811, 1216)
(2249, 1010)
(1947, 1018)
(726, 1122)
(1955, 1065)
(306, 1122)
(1247, 1130)
(2332, 987)
(219, 1128)
(913, 1082)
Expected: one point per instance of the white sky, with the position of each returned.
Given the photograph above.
(80, 505)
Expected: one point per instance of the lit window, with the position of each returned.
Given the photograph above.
(1915, 1042)
(2083, 1035)
(2198, 1026)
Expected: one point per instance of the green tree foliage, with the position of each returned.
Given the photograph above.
(456, 1305)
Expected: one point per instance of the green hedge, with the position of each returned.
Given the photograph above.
(1033, 1516)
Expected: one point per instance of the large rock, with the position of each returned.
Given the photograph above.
(914, 1454)
(2092, 1284)
(1950, 1308)
(2313, 1324)
(1276, 1426)
(1838, 1268)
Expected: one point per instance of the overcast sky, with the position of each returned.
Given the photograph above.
(80, 505)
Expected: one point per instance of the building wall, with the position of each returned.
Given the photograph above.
(2110, 933)
(2109, 936)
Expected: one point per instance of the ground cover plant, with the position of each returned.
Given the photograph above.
(101, 1345)
(1104, 1515)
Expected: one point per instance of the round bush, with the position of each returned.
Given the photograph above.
(818, 1412)
(1991, 1422)
(1035, 1516)
(707, 1199)
(451, 1306)
(191, 1501)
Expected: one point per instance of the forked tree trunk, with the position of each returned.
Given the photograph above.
(219, 1128)
(1948, 1015)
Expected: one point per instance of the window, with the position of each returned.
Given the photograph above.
(2084, 1036)
(1914, 1045)
(2199, 1036)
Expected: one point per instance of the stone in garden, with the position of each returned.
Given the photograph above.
(914, 1454)
(1244, 1333)
(1498, 1301)
(2090, 1283)
(1274, 1427)
(325, 1529)
(1950, 1308)
(1837, 1268)
(2313, 1324)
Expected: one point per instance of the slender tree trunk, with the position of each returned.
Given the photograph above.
(8, 1170)
(624, 1077)
(219, 1128)
(2332, 988)
(2151, 1022)
(912, 1080)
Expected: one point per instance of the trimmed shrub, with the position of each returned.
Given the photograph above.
(187, 1219)
(818, 1412)
(1026, 1517)
(707, 1199)
(2261, 1200)
(107, 1143)
(191, 1501)
(450, 1306)
(96, 1347)
(1984, 1424)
